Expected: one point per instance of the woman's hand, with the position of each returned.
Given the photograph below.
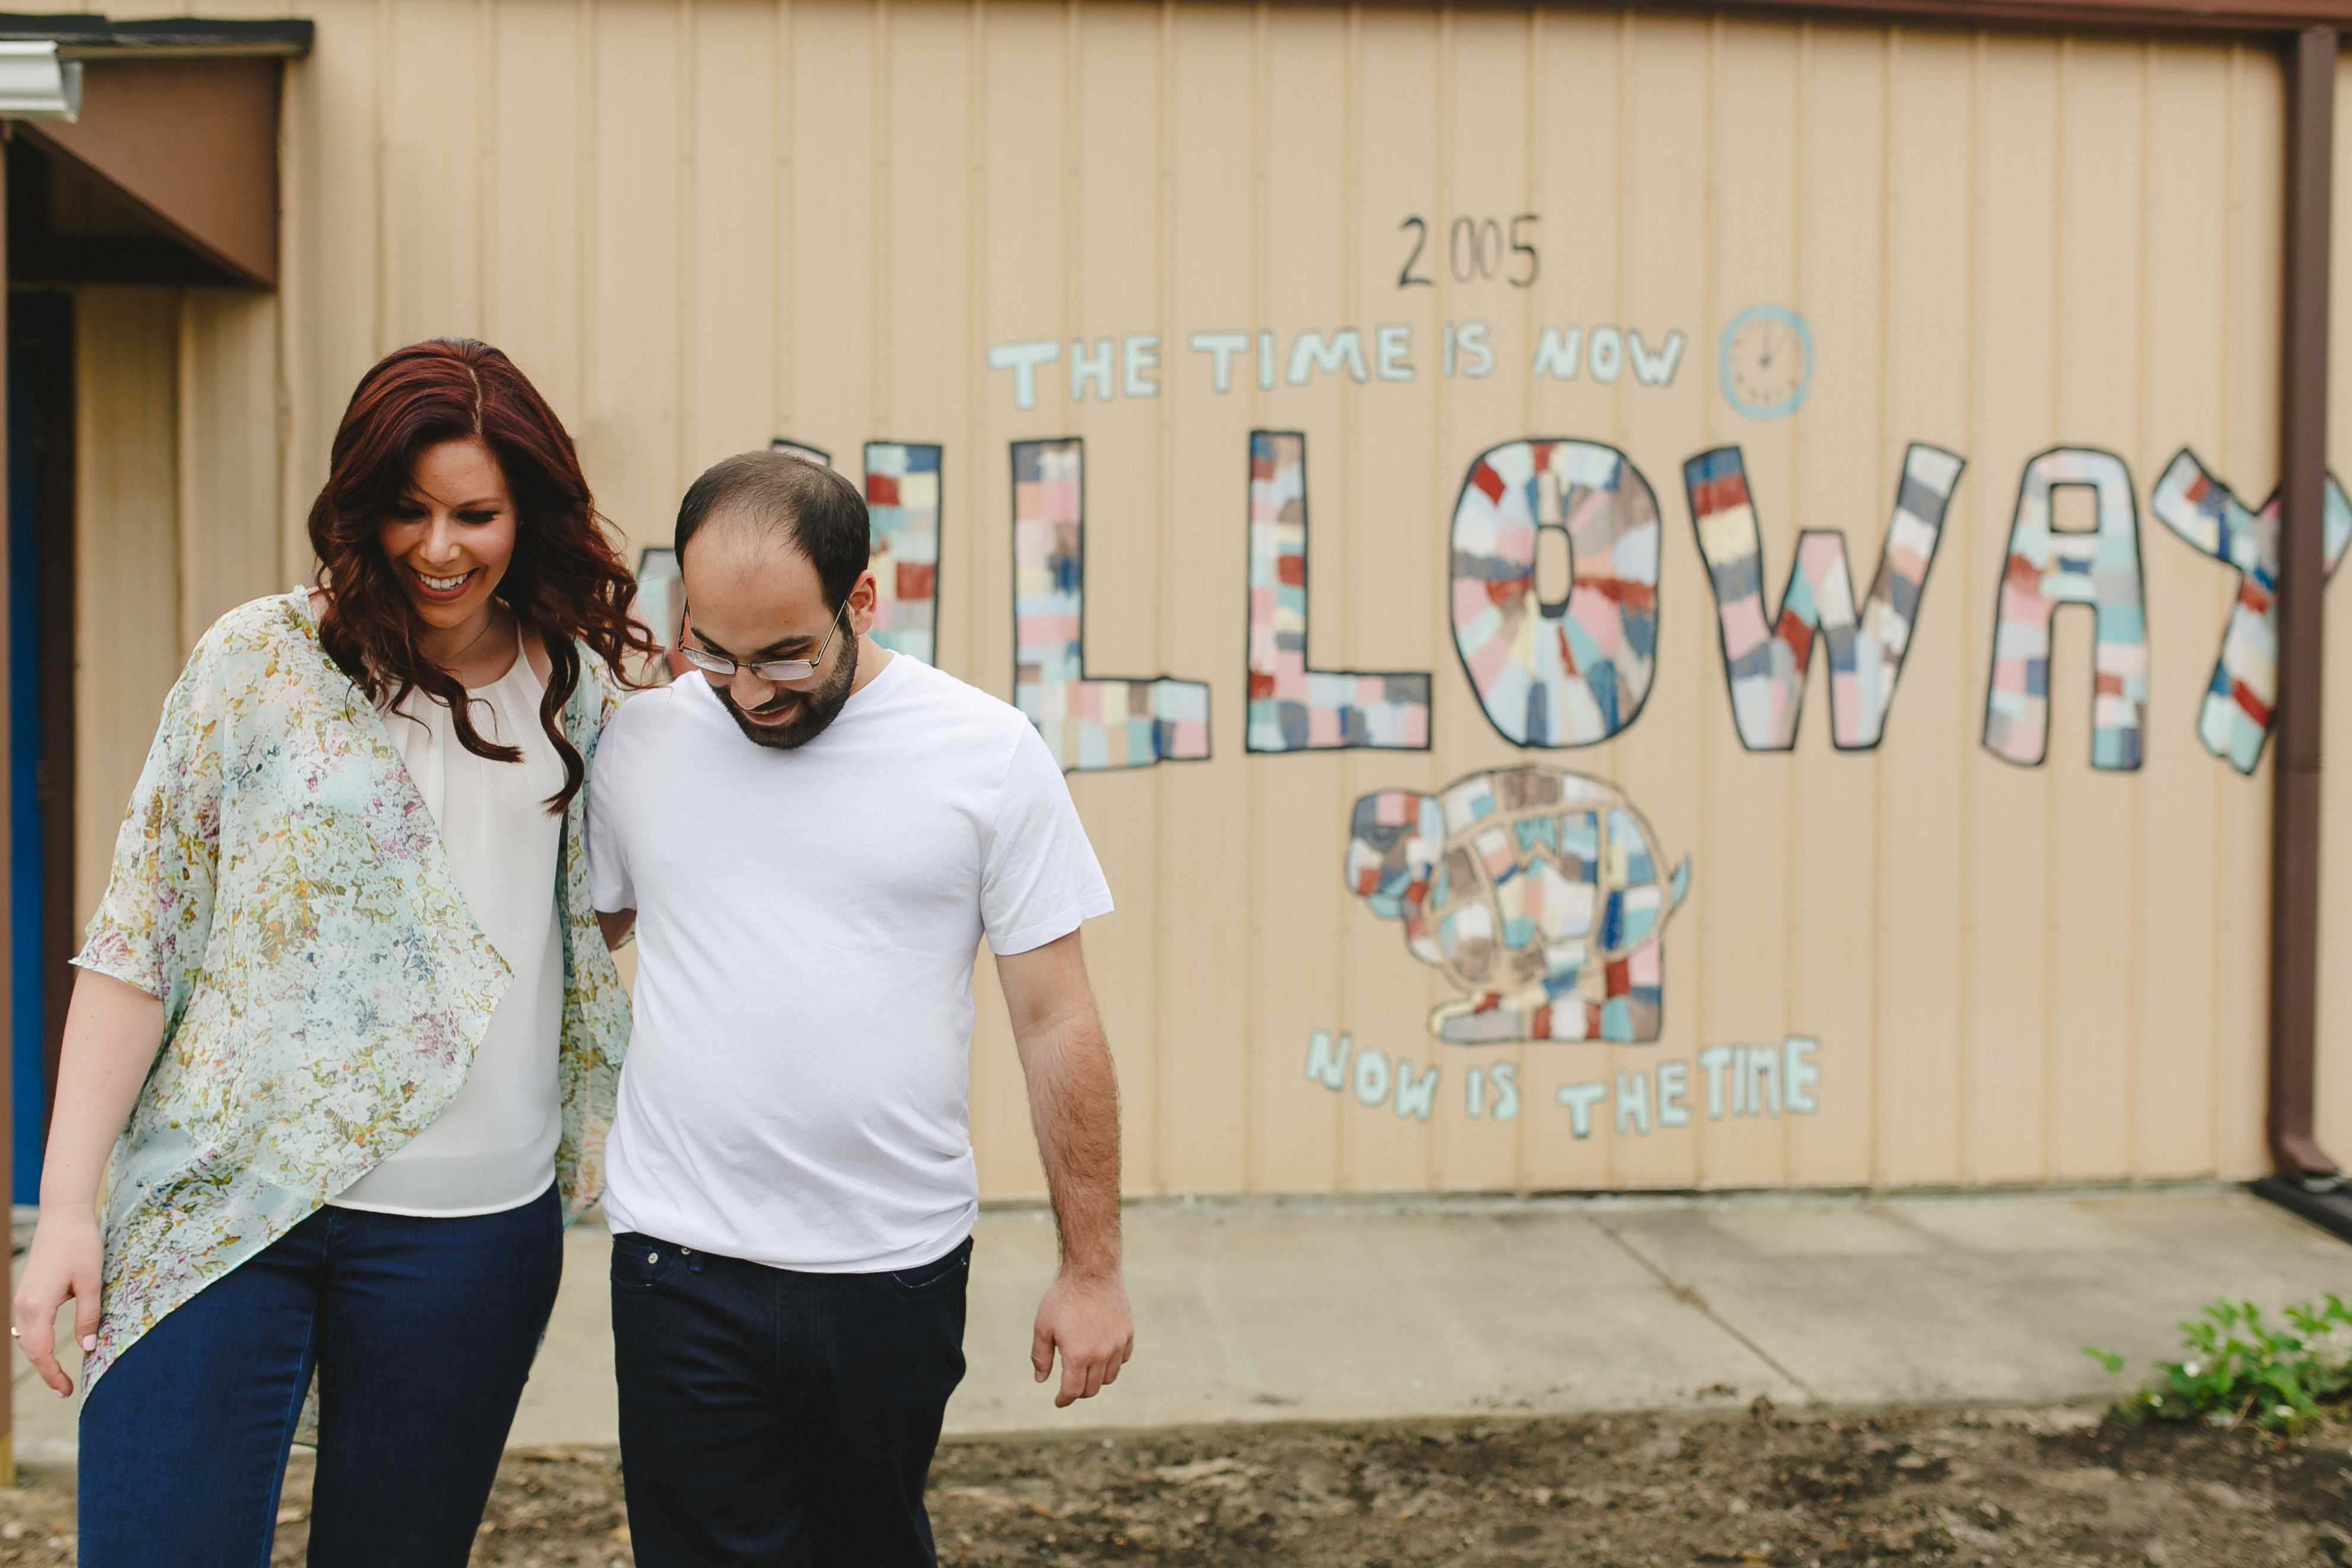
(63, 1263)
(112, 1031)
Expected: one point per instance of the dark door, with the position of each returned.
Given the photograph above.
(40, 707)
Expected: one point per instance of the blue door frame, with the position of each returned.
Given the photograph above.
(40, 594)
(27, 1015)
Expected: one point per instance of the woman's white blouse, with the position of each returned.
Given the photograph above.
(494, 1147)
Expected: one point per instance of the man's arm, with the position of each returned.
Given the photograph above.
(1073, 1106)
(616, 924)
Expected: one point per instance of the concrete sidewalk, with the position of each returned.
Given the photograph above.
(1352, 1309)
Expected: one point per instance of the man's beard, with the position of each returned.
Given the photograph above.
(819, 706)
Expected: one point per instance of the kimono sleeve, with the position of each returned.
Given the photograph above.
(151, 925)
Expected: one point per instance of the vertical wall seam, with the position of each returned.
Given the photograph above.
(1621, 243)
(1713, 227)
(2233, 279)
(1537, 192)
(975, 239)
(1890, 64)
(2136, 1042)
(1074, 281)
(293, 275)
(1163, 318)
(1351, 212)
(485, 47)
(379, 111)
(1262, 1049)
(2052, 789)
(684, 216)
(1440, 194)
(592, 402)
(781, 225)
(880, 110)
(1968, 665)
(186, 525)
(978, 622)
(1794, 908)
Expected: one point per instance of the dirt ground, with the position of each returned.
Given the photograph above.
(2047, 1488)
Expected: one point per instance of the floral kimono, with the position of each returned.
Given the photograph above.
(281, 886)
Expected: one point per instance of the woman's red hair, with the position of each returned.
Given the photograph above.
(565, 581)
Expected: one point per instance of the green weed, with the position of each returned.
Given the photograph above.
(2240, 1368)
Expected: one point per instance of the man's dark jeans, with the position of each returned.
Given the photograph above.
(775, 1419)
(422, 1331)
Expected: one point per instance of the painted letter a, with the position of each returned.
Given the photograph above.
(2049, 567)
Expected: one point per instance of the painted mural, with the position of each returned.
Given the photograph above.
(1291, 707)
(902, 510)
(1090, 723)
(2234, 720)
(2049, 567)
(1733, 1082)
(1765, 658)
(1575, 671)
(1542, 894)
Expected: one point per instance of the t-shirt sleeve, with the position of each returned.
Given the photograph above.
(610, 886)
(1039, 880)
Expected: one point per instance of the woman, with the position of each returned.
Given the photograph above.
(346, 991)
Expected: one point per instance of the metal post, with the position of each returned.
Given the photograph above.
(2303, 469)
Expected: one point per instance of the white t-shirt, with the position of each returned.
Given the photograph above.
(493, 1147)
(797, 1088)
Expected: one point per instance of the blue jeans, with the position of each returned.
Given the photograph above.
(421, 1333)
(776, 1419)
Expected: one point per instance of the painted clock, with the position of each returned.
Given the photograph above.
(1767, 361)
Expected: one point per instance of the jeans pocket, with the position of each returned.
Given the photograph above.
(925, 1279)
(642, 1265)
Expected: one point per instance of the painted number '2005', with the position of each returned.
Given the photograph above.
(1477, 250)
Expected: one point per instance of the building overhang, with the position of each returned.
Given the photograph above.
(178, 118)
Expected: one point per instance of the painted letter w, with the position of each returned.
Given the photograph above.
(1765, 658)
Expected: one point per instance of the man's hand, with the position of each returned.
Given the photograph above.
(1086, 1318)
(1074, 1105)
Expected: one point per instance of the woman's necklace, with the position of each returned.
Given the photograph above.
(459, 657)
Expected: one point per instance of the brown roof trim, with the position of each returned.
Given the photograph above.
(2228, 16)
(88, 37)
(2267, 17)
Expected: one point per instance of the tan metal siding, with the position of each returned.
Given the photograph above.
(700, 224)
(126, 555)
(177, 517)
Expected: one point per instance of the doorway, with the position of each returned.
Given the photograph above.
(40, 708)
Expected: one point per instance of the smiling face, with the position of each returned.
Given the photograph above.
(451, 534)
(751, 597)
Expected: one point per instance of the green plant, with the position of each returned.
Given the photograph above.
(2240, 1368)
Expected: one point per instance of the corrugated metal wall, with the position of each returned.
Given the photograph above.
(700, 225)
(177, 506)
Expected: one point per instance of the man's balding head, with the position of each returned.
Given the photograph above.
(773, 498)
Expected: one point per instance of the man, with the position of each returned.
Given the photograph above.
(811, 836)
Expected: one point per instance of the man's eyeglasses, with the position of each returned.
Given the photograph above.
(783, 670)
